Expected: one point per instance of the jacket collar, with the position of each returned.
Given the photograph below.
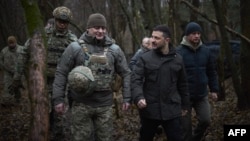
(92, 40)
(188, 44)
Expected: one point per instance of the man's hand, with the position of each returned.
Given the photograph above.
(184, 112)
(60, 108)
(214, 96)
(125, 106)
(141, 103)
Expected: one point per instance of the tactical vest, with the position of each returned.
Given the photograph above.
(100, 67)
(56, 47)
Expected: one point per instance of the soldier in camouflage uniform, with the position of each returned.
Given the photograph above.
(92, 113)
(58, 37)
(8, 57)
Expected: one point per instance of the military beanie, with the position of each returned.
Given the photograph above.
(192, 27)
(11, 39)
(96, 19)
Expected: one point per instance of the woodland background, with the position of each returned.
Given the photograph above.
(128, 22)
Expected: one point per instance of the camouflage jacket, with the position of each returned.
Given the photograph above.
(57, 42)
(8, 58)
(75, 56)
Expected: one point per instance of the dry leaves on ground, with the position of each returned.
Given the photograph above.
(15, 120)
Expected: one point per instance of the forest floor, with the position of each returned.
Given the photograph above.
(15, 119)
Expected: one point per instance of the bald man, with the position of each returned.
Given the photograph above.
(146, 45)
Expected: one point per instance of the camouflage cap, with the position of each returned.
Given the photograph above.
(63, 13)
(81, 80)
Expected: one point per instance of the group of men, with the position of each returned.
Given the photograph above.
(163, 81)
(168, 82)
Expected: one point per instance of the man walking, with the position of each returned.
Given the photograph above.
(201, 72)
(8, 59)
(92, 109)
(159, 88)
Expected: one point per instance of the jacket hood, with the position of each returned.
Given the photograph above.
(107, 41)
(188, 44)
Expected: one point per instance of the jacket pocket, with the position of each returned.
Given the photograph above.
(176, 99)
(175, 69)
(151, 73)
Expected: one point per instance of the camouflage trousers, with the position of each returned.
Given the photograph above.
(91, 124)
(59, 124)
(6, 96)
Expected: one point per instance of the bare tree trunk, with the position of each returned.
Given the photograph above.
(174, 21)
(245, 53)
(10, 24)
(225, 48)
(194, 16)
(36, 70)
(129, 20)
(151, 14)
(37, 91)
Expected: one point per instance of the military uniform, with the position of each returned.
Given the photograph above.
(91, 109)
(57, 41)
(8, 59)
(100, 101)
(56, 46)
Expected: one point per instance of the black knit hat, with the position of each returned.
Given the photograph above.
(96, 19)
(163, 28)
(192, 27)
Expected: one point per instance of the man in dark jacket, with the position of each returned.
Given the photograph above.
(201, 72)
(145, 46)
(159, 88)
(92, 114)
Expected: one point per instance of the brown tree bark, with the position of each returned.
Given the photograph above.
(37, 91)
(36, 73)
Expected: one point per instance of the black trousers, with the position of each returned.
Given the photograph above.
(172, 129)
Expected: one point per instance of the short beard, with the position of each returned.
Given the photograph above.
(158, 49)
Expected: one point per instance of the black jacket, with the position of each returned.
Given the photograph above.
(161, 80)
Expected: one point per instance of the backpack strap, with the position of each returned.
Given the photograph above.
(85, 50)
